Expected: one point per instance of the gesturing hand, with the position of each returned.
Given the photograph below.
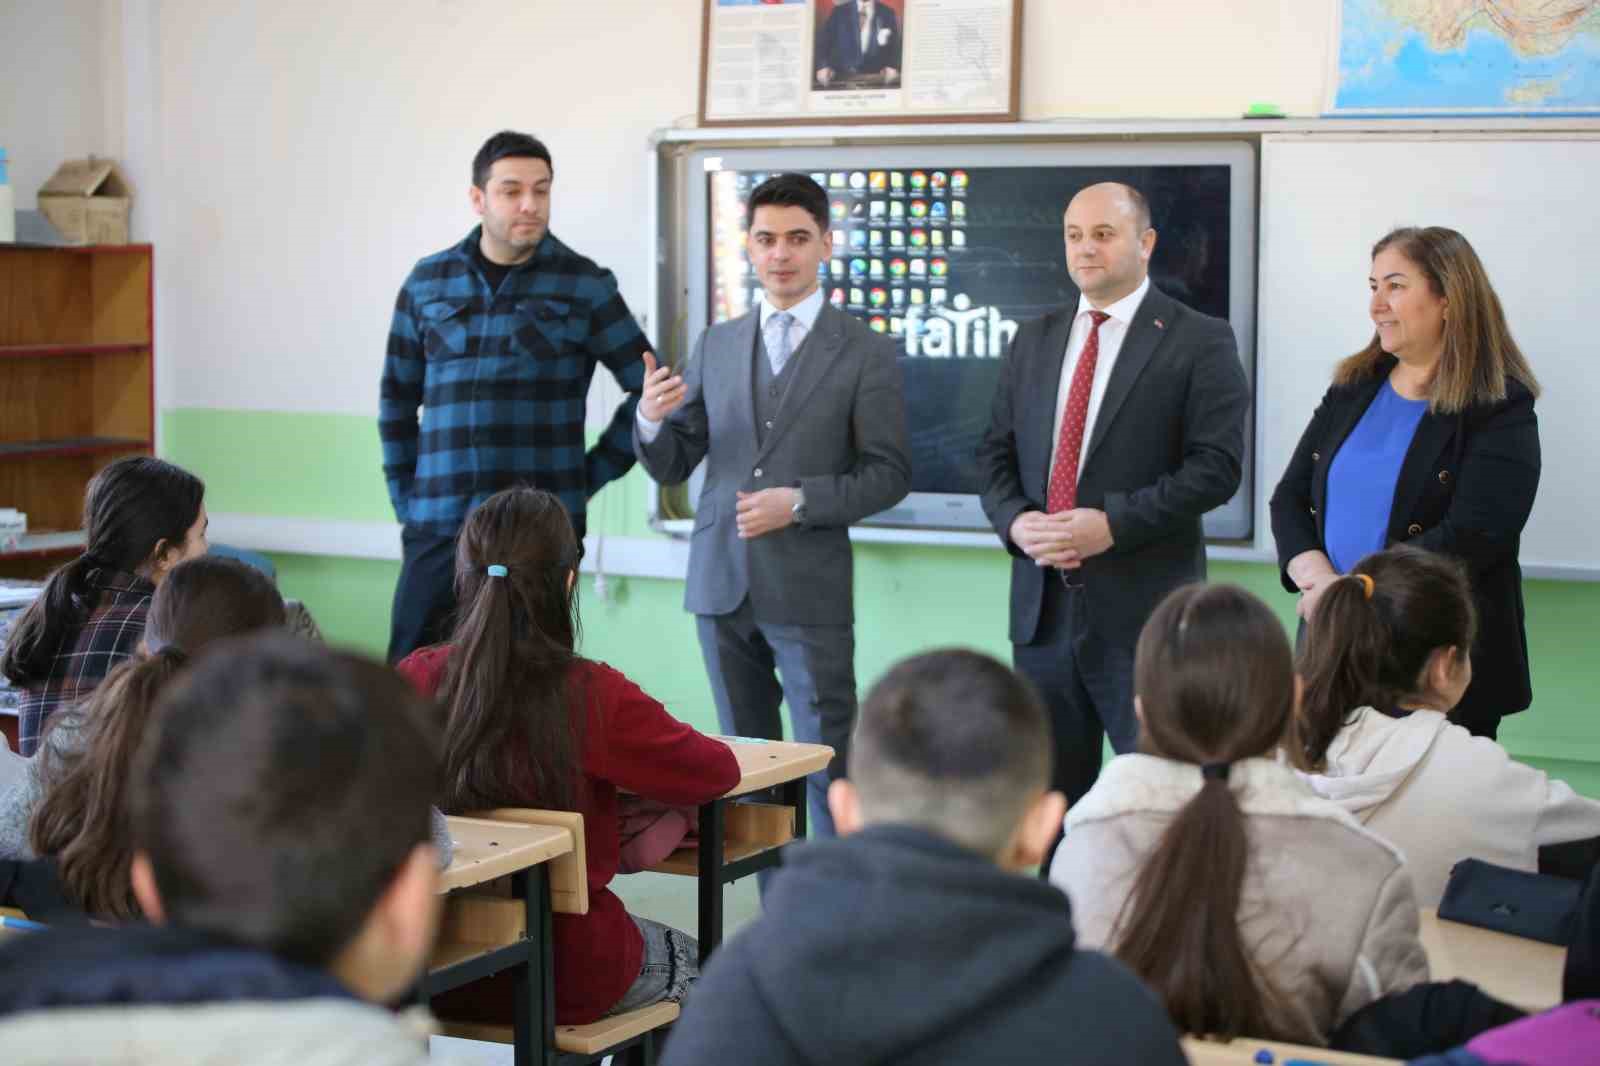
(663, 390)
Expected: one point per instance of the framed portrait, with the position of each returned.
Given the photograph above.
(777, 62)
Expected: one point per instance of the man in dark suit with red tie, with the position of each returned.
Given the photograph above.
(1116, 425)
(860, 43)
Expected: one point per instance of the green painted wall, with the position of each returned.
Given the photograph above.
(907, 598)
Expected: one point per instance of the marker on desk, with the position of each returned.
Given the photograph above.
(1264, 110)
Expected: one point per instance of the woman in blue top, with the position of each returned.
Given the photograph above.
(1426, 437)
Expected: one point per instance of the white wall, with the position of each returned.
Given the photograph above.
(294, 158)
(54, 105)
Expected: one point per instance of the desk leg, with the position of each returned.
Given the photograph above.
(795, 795)
(711, 833)
(534, 983)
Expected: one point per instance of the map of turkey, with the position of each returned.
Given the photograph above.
(1443, 56)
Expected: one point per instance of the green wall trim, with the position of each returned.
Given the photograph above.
(908, 598)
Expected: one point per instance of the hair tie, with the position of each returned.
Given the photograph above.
(495, 570)
(1216, 771)
(1367, 584)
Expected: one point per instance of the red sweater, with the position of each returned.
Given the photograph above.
(632, 743)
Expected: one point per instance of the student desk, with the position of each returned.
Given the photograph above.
(737, 839)
(1524, 973)
(499, 934)
(1243, 1051)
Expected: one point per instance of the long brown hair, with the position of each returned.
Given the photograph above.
(83, 820)
(1215, 681)
(129, 508)
(1371, 651)
(506, 684)
(1479, 354)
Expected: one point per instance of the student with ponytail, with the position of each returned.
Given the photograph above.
(530, 723)
(1384, 665)
(1249, 905)
(72, 806)
(141, 517)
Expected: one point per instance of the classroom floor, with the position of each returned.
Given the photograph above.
(665, 898)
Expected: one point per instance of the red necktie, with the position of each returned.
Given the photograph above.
(1063, 494)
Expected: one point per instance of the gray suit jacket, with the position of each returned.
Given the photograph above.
(839, 435)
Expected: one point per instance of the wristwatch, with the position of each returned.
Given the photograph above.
(798, 511)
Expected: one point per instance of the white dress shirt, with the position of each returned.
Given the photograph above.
(864, 15)
(805, 317)
(1112, 332)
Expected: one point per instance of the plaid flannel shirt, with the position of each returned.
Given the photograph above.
(503, 380)
(110, 634)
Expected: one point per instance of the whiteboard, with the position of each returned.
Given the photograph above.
(1530, 205)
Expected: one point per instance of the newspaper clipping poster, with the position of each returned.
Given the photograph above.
(783, 61)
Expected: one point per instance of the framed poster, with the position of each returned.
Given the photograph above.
(777, 62)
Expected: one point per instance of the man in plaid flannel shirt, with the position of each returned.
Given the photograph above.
(496, 340)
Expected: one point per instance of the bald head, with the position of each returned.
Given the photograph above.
(1109, 241)
(1116, 197)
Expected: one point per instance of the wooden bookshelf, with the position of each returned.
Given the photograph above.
(77, 384)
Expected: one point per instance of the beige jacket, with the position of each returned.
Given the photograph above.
(317, 1032)
(1441, 795)
(1327, 908)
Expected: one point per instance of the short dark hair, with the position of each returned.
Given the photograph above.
(281, 788)
(789, 190)
(955, 742)
(507, 144)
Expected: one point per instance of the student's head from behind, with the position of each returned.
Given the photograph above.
(141, 516)
(208, 598)
(954, 742)
(1213, 677)
(83, 820)
(281, 802)
(515, 638)
(787, 219)
(1396, 632)
(1214, 685)
(1109, 241)
(511, 178)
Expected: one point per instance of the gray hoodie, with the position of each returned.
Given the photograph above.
(1441, 795)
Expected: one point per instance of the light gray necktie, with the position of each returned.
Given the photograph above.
(778, 353)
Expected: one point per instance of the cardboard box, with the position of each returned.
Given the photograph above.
(87, 201)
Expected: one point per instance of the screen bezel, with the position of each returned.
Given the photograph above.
(961, 515)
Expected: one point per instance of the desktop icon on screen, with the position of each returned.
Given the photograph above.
(858, 268)
(878, 324)
(958, 182)
(918, 181)
(878, 180)
(936, 182)
(838, 210)
(897, 268)
(919, 209)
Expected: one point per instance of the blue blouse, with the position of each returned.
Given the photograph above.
(1362, 478)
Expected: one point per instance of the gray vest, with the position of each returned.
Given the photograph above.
(768, 388)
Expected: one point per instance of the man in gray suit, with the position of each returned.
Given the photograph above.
(797, 409)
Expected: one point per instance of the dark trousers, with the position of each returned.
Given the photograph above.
(745, 660)
(424, 597)
(1087, 686)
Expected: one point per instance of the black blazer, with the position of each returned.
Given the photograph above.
(1465, 488)
(1167, 446)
